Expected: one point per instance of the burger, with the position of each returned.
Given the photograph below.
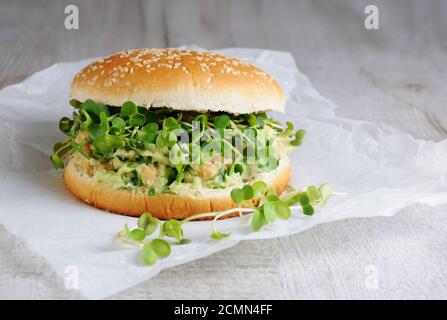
(172, 132)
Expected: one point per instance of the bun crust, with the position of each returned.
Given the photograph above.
(163, 206)
(179, 79)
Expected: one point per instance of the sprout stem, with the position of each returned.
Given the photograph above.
(218, 214)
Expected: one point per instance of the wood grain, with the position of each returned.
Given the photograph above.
(395, 75)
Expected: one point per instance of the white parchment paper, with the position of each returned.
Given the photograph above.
(380, 169)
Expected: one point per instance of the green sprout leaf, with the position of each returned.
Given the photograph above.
(292, 198)
(313, 193)
(137, 120)
(151, 127)
(290, 127)
(65, 125)
(221, 122)
(299, 135)
(149, 137)
(203, 119)
(237, 195)
(96, 130)
(118, 122)
(326, 192)
(135, 234)
(88, 120)
(258, 219)
(282, 210)
(107, 143)
(272, 196)
(251, 120)
(308, 210)
(57, 146)
(75, 103)
(236, 168)
(152, 226)
(127, 109)
(270, 212)
(116, 131)
(259, 188)
(161, 141)
(260, 122)
(304, 199)
(57, 161)
(161, 247)
(59, 150)
(143, 220)
(170, 124)
(173, 228)
(148, 255)
(148, 223)
(219, 235)
(248, 192)
(95, 108)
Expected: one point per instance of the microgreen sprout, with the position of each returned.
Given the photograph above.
(260, 200)
(129, 140)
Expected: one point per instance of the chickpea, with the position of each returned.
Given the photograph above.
(209, 170)
(104, 166)
(85, 166)
(149, 175)
(82, 138)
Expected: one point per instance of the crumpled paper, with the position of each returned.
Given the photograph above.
(379, 169)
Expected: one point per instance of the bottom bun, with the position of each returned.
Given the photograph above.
(164, 205)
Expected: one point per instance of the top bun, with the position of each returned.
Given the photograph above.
(179, 79)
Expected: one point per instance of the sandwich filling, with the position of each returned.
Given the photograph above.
(156, 150)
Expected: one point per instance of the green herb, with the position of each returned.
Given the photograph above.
(219, 235)
(299, 135)
(59, 150)
(137, 120)
(237, 195)
(95, 108)
(65, 125)
(128, 109)
(248, 192)
(75, 103)
(118, 122)
(151, 127)
(270, 208)
(135, 234)
(161, 247)
(258, 219)
(148, 255)
(172, 228)
(107, 143)
(251, 120)
(221, 122)
(259, 188)
(170, 124)
(148, 223)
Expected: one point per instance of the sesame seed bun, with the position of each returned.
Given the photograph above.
(179, 79)
(165, 205)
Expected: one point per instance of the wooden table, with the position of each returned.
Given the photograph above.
(395, 75)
